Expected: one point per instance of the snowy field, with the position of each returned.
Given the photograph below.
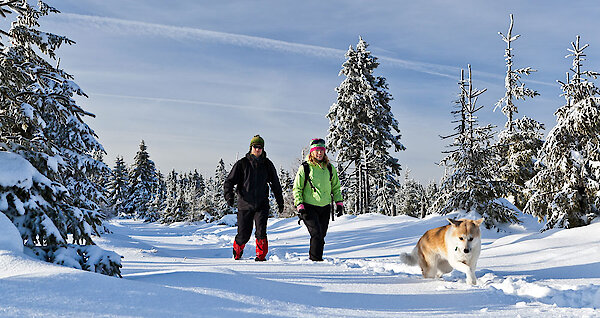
(187, 270)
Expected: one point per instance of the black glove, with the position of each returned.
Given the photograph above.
(339, 210)
(230, 202)
(302, 215)
(280, 208)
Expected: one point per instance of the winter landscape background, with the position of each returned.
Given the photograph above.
(114, 149)
(175, 75)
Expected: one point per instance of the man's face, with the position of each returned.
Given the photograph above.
(257, 150)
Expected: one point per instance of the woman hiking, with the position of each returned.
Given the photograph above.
(315, 184)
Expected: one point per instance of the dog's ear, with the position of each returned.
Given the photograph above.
(454, 222)
(478, 222)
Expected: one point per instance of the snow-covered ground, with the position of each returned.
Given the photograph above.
(187, 270)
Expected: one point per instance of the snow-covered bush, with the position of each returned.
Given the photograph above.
(86, 257)
(10, 240)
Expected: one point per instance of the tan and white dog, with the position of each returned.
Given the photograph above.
(456, 245)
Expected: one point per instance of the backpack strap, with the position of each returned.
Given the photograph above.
(307, 174)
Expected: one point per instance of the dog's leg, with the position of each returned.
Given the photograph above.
(444, 267)
(427, 270)
(463, 267)
(471, 278)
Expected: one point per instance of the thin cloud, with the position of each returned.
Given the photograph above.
(210, 104)
(120, 26)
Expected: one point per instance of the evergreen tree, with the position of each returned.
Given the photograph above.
(41, 122)
(361, 126)
(143, 182)
(157, 205)
(169, 212)
(119, 187)
(178, 205)
(287, 183)
(566, 190)
(196, 193)
(469, 184)
(208, 204)
(218, 198)
(431, 196)
(521, 140)
(384, 196)
(413, 197)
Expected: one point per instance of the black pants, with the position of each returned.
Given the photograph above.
(244, 220)
(317, 222)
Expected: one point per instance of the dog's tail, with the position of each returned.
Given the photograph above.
(410, 258)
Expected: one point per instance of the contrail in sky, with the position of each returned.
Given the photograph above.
(186, 34)
(210, 104)
(194, 34)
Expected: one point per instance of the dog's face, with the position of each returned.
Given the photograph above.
(465, 235)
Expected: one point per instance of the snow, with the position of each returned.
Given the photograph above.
(16, 171)
(187, 270)
(10, 239)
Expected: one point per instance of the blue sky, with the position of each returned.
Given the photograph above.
(197, 79)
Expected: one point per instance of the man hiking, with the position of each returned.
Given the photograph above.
(252, 175)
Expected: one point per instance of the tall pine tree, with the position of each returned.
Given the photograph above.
(521, 140)
(469, 185)
(362, 129)
(119, 187)
(143, 182)
(566, 190)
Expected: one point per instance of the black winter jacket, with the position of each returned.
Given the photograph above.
(251, 176)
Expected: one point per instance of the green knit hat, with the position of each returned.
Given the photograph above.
(317, 144)
(257, 140)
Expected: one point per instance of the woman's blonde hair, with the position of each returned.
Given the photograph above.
(314, 161)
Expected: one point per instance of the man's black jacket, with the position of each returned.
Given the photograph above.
(252, 175)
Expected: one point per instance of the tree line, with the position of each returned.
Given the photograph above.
(142, 191)
(493, 174)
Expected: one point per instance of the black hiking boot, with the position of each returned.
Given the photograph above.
(260, 259)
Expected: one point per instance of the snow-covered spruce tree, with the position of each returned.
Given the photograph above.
(431, 194)
(41, 122)
(177, 208)
(469, 184)
(412, 197)
(287, 182)
(566, 190)
(142, 182)
(169, 213)
(384, 199)
(207, 203)
(118, 187)
(194, 194)
(361, 126)
(218, 197)
(157, 205)
(213, 202)
(521, 140)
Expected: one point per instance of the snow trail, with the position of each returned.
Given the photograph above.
(187, 270)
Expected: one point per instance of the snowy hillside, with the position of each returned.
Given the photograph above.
(187, 271)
